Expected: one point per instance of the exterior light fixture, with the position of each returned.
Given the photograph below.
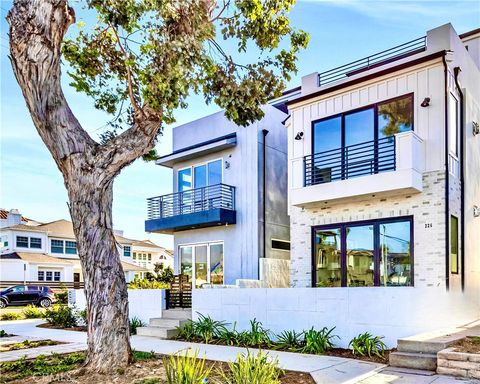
(227, 164)
(425, 102)
(476, 128)
(476, 211)
(299, 136)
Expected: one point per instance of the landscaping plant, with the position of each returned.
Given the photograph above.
(32, 312)
(256, 336)
(147, 284)
(252, 369)
(61, 316)
(61, 297)
(11, 316)
(367, 345)
(289, 341)
(206, 329)
(229, 337)
(317, 342)
(3, 333)
(135, 322)
(186, 369)
(186, 332)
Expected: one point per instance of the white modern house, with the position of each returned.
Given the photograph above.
(47, 252)
(383, 199)
(227, 215)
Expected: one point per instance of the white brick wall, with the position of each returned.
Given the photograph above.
(429, 243)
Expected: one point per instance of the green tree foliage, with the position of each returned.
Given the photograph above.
(146, 56)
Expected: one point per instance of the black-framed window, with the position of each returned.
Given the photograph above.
(373, 122)
(365, 253)
(454, 244)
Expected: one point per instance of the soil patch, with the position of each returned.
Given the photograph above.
(348, 353)
(27, 345)
(143, 372)
(80, 328)
(470, 344)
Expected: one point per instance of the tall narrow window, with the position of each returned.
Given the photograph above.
(453, 244)
(184, 179)
(127, 250)
(215, 172)
(359, 255)
(327, 254)
(453, 124)
(216, 264)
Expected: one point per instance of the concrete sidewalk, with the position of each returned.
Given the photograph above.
(323, 369)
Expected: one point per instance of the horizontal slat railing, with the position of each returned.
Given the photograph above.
(191, 201)
(351, 161)
(58, 285)
(395, 53)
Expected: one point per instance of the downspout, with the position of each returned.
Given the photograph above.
(264, 191)
(447, 182)
(456, 72)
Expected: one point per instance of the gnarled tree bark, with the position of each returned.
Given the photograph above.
(37, 28)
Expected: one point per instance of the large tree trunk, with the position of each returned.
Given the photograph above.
(37, 28)
(105, 286)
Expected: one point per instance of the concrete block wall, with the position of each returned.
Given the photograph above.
(427, 208)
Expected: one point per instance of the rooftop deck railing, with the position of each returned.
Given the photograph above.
(380, 58)
(351, 161)
(191, 201)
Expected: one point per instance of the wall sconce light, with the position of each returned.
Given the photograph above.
(476, 128)
(425, 102)
(227, 164)
(299, 136)
(476, 211)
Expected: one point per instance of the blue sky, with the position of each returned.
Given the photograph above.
(340, 30)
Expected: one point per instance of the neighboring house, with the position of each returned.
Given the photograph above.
(216, 211)
(48, 252)
(384, 170)
(147, 254)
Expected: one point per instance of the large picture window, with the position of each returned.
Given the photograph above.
(364, 254)
(204, 174)
(203, 263)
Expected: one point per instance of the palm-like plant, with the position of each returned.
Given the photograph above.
(366, 344)
(289, 340)
(318, 342)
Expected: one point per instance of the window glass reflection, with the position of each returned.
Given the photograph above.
(216, 264)
(360, 264)
(395, 116)
(327, 258)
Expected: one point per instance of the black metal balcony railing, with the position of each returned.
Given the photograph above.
(351, 161)
(192, 201)
(380, 58)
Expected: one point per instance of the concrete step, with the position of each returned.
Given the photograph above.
(160, 332)
(166, 322)
(422, 346)
(177, 313)
(423, 361)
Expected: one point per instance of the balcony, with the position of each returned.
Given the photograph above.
(196, 208)
(390, 165)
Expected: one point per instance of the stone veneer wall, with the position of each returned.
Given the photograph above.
(427, 208)
(450, 362)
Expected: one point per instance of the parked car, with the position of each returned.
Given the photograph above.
(27, 294)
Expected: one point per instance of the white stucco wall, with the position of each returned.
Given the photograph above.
(390, 312)
(142, 303)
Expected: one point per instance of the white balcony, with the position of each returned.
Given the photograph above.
(382, 167)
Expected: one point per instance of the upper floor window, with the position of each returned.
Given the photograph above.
(71, 247)
(453, 124)
(127, 250)
(56, 246)
(366, 124)
(200, 175)
(22, 241)
(64, 247)
(134, 255)
(35, 242)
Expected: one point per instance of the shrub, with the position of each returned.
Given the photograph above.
(255, 337)
(135, 322)
(367, 345)
(82, 316)
(3, 333)
(32, 312)
(11, 316)
(186, 332)
(249, 369)
(229, 337)
(289, 340)
(317, 342)
(186, 369)
(147, 284)
(61, 297)
(61, 316)
(206, 328)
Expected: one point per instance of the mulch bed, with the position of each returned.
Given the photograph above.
(139, 372)
(470, 344)
(348, 353)
(80, 328)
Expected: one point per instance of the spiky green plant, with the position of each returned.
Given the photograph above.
(256, 336)
(289, 340)
(206, 329)
(366, 344)
(318, 342)
(186, 369)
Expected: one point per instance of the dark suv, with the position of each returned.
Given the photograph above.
(27, 294)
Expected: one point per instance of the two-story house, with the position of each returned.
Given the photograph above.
(384, 175)
(47, 252)
(228, 209)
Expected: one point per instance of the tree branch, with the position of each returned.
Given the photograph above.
(37, 28)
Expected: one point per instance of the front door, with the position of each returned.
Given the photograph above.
(76, 280)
